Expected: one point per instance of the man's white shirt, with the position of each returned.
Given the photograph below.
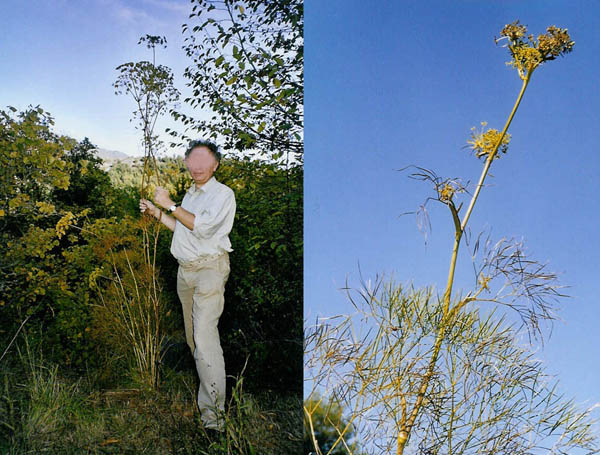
(213, 206)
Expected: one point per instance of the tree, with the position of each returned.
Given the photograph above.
(324, 423)
(247, 70)
(32, 165)
(440, 374)
(90, 186)
(42, 280)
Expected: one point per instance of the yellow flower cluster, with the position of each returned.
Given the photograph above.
(525, 58)
(446, 192)
(514, 31)
(527, 53)
(484, 143)
(554, 42)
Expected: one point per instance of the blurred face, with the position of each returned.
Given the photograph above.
(201, 164)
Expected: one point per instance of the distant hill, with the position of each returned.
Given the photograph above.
(110, 157)
(109, 154)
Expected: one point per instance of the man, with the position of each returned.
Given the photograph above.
(200, 244)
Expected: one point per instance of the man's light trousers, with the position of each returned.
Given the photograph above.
(200, 287)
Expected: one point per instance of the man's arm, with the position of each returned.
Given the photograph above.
(167, 220)
(162, 198)
(186, 218)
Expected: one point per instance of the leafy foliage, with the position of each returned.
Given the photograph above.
(129, 306)
(31, 164)
(247, 68)
(262, 316)
(44, 275)
(90, 186)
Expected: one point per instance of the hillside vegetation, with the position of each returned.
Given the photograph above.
(70, 382)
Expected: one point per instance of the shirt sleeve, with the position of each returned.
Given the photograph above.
(218, 218)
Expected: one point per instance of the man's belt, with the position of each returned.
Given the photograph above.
(198, 262)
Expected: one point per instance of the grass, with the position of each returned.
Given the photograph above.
(42, 411)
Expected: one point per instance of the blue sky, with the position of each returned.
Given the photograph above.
(392, 84)
(62, 55)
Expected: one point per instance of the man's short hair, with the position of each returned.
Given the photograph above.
(211, 146)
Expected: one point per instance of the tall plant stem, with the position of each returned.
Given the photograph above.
(404, 433)
(492, 155)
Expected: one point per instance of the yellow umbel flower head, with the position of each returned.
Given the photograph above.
(527, 53)
(484, 143)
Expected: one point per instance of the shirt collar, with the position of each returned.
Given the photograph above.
(193, 189)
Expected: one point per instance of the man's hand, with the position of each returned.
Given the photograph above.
(161, 197)
(146, 205)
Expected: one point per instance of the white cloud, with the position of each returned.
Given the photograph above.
(175, 6)
(128, 14)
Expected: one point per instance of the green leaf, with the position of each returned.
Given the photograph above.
(231, 80)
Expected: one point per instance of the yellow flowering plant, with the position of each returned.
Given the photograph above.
(527, 54)
(433, 374)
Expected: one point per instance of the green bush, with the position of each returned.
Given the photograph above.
(48, 258)
(263, 310)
